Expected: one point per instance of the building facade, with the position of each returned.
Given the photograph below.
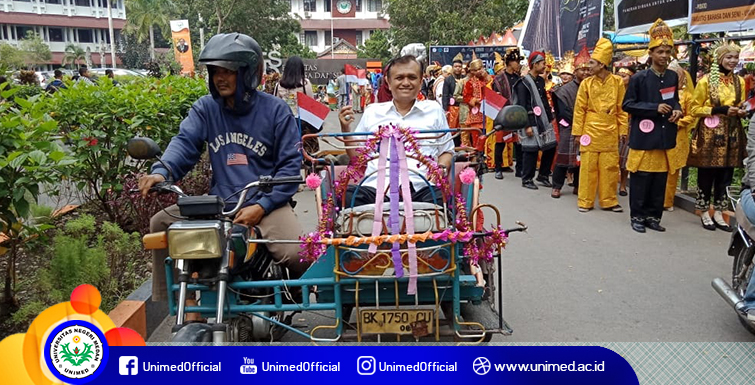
(325, 22)
(63, 22)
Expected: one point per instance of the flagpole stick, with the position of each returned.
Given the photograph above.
(298, 120)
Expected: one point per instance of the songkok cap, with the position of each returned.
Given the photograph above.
(536, 57)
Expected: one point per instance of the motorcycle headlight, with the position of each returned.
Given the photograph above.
(196, 240)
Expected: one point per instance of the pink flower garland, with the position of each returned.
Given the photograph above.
(313, 245)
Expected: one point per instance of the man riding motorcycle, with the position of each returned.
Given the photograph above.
(248, 134)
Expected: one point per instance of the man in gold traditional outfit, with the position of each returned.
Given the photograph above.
(652, 99)
(599, 121)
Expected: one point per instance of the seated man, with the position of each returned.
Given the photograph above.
(249, 134)
(404, 78)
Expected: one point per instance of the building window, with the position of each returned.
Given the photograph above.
(86, 36)
(310, 5)
(310, 38)
(83, 3)
(374, 5)
(359, 38)
(22, 31)
(53, 1)
(358, 5)
(327, 5)
(328, 38)
(56, 34)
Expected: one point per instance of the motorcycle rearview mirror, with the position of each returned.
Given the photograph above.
(511, 118)
(143, 148)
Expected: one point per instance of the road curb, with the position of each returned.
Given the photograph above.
(139, 312)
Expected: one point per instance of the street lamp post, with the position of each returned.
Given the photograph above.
(111, 32)
(201, 31)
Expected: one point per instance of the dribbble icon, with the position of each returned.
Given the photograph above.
(128, 365)
(366, 365)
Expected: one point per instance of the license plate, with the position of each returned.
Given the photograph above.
(417, 322)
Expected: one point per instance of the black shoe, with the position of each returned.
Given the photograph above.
(653, 225)
(507, 169)
(530, 185)
(726, 228)
(544, 181)
(623, 193)
(518, 174)
(638, 227)
(499, 174)
(710, 226)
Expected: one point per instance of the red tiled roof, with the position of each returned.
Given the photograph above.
(340, 23)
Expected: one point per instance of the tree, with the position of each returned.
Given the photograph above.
(446, 22)
(35, 50)
(144, 15)
(10, 57)
(267, 21)
(133, 53)
(73, 53)
(609, 21)
(377, 46)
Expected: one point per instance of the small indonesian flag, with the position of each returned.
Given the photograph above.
(311, 111)
(352, 74)
(750, 104)
(236, 159)
(492, 102)
(668, 93)
(362, 77)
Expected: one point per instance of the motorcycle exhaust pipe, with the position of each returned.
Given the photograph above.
(727, 293)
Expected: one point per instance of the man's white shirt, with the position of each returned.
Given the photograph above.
(425, 115)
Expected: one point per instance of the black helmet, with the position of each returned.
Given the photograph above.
(234, 51)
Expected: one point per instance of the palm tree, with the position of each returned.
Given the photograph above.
(143, 15)
(73, 53)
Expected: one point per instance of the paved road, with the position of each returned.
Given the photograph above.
(588, 277)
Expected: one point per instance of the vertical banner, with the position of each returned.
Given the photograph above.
(562, 25)
(182, 45)
(636, 16)
(721, 15)
(581, 24)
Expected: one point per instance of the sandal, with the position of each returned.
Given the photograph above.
(556, 193)
(616, 209)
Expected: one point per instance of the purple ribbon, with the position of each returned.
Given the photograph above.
(393, 219)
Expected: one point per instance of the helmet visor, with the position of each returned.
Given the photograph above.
(229, 65)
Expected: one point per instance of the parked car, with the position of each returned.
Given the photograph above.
(99, 72)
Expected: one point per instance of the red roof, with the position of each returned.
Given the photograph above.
(23, 18)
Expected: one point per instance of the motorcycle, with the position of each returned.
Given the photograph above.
(742, 248)
(206, 242)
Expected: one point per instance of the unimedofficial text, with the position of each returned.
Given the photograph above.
(422, 366)
(302, 367)
(182, 367)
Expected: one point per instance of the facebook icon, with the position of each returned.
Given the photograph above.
(128, 365)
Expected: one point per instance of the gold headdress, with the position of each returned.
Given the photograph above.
(566, 64)
(498, 64)
(459, 57)
(476, 63)
(723, 48)
(603, 51)
(660, 34)
(550, 61)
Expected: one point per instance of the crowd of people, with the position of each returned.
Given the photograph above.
(602, 128)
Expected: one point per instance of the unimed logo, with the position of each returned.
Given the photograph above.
(128, 365)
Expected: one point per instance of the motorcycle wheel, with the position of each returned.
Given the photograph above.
(743, 260)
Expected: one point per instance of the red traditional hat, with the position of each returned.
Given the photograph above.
(536, 57)
(582, 59)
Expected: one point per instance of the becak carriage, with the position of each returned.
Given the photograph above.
(401, 268)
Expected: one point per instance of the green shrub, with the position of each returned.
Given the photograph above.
(97, 122)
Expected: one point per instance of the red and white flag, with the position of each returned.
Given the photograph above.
(668, 92)
(352, 74)
(750, 104)
(362, 77)
(311, 111)
(492, 102)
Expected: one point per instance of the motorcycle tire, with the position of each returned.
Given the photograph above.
(743, 260)
(194, 332)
